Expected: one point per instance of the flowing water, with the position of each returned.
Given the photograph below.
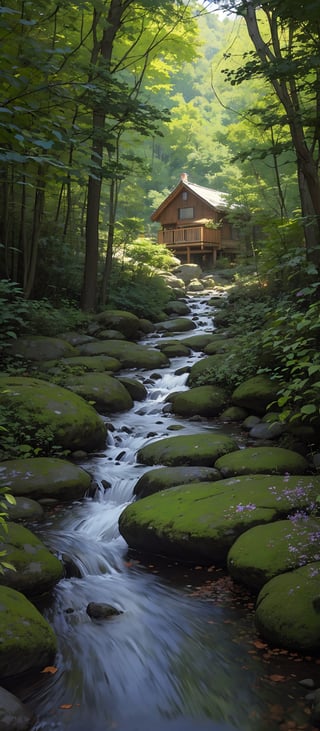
(183, 653)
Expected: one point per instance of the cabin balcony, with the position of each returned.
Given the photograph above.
(202, 236)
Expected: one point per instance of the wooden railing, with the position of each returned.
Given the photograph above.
(191, 235)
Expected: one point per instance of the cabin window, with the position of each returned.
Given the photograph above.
(186, 213)
(184, 195)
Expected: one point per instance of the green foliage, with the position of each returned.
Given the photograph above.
(142, 294)
(291, 345)
(43, 318)
(238, 363)
(148, 255)
(13, 311)
(22, 439)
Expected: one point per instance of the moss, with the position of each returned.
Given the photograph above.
(41, 477)
(198, 342)
(219, 345)
(177, 324)
(260, 460)
(287, 612)
(82, 362)
(163, 478)
(255, 394)
(137, 390)
(74, 423)
(126, 322)
(25, 509)
(27, 642)
(268, 550)
(129, 354)
(107, 394)
(233, 413)
(202, 400)
(194, 449)
(38, 348)
(204, 368)
(36, 569)
(174, 350)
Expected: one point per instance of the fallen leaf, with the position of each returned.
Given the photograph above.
(50, 669)
(66, 706)
(277, 678)
(260, 645)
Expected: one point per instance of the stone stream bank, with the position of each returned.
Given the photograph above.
(186, 476)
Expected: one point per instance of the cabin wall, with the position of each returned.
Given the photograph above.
(170, 215)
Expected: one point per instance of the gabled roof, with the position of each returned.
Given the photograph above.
(214, 198)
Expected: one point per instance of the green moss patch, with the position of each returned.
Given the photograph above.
(288, 610)
(36, 569)
(202, 400)
(268, 550)
(107, 394)
(98, 363)
(127, 323)
(72, 422)
(129, 354)
(255, 394)
(204, 369)
(38, 348)
(198, 342)
(175, 325)
(43, 477)
(194, 449)
(262, 460)
(27, 642)
(162, 478)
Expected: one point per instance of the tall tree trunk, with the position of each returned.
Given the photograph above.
(31, 250)
(105, 287)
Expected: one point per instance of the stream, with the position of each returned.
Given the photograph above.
(182, 654)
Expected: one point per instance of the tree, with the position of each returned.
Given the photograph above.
(286, 40)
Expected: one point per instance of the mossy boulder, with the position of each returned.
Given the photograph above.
(173, 349)
(198, 342)
(176, 325)
(233, 413)
(262, 460)
(25, 509)
(127, 323)
(137, 390)
(44, 477)
(204, 368)
(202, 400)
(288, 610)
(219, 345)
(73, 424)
(191, 449)
(130, 355)
(80, 363)
(39, 347)
(268, 550)
(255, 394)
(176, 307)
(162, 478)
(107, 394)
(201, 521)
(27, 642)
(36, 569)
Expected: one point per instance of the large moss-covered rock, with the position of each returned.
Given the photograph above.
(80, 363)
(262, 460)
(176, 325)
(44, 477)
(36, 569)
(288, 610)
(255, 394)
(107, 394)
(25, 509)
(72, 422)
(127, 323)
(201, 521)
(176, 307)
(137, 390)
(198, 342)
(173, 348)
(27, 642)
(202, 400)
(39, 347)
(268, 550)
(191, 449)
(14, 715)
(129, 354)
(219, 345)
(162, 478)
(205, 369)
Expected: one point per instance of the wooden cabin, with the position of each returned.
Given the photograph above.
(194, 224)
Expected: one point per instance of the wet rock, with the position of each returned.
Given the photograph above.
(25, 509)
(255, 394)
(191, 449)
(250, 422)
(175, 349)
(187, 272)
(137, 390)
(268, 550)
(107, 394)
(129, 354)
(126, 322)
(178, 324)
(97, 610)
(271, 430)
(233, 413)
(206, 369)
(37, 570)
(198, 343)
(176, 307)
(315, 712)
(27, 640)
(285, 615)
(201, 400)
(44, 477)
(165, 477)
(81, 363)
(73, 423)
(262, 460)
(39, 347)
(14, 715)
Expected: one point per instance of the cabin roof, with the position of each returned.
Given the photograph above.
(214, 198)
